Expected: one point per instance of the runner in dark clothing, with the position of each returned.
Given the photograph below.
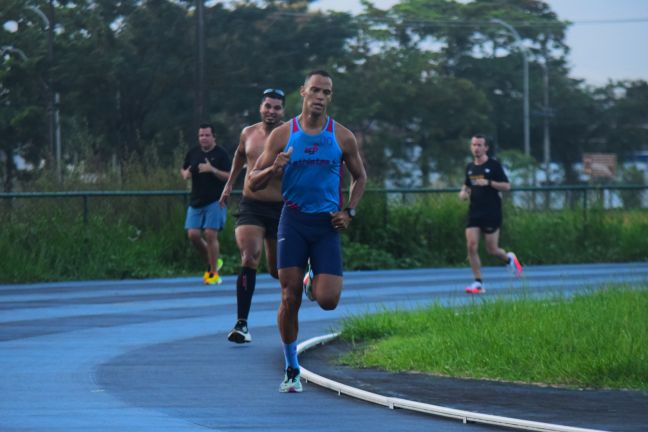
(485, 179)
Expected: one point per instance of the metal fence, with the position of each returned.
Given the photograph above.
(85, 203)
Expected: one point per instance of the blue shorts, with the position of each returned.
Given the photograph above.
(212, 216)
(308, 235)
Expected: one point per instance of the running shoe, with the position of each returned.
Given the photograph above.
(308, 284)
(475, 288)
(208, 275)
(213, 279)
(240, 333)
(291, 382)
(514, 265)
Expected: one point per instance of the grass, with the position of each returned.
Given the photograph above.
(596, 340)
(46, 239)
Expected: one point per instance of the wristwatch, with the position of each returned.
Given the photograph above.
(351, 212)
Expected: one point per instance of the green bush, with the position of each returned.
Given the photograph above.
(132, 237)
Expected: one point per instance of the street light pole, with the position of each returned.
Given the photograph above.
(48, 78)
(199, 111)
(546, 113)
(525, 79)
(54, 132)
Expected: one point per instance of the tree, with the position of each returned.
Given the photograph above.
(23, 90)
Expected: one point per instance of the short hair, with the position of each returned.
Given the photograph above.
(481, 136)
(320, 72)
(207, 125)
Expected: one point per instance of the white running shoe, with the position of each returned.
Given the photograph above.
(308, 284)
(291, 382)
(475, 288)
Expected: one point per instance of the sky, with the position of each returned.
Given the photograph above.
(599, 51)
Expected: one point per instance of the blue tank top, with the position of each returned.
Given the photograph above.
(312, 179)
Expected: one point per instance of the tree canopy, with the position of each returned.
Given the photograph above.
(413, 81)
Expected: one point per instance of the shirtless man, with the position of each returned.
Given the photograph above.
(258, 213)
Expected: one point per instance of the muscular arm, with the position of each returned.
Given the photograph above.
(341, 219)
(272, 160)
(237, 165)
(356, 168)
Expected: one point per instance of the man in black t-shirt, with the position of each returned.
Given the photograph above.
(208, 166)
(485, 179)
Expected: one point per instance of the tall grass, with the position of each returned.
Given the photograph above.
(595, 340)
(46, 239)
(131, 237)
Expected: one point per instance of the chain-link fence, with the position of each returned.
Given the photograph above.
(77, 235)
(157, 206)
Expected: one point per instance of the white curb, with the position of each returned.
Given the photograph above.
(392, 402)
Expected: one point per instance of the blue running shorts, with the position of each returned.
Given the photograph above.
(212, 216)
(308, 235)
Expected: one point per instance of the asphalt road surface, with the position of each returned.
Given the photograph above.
(152, 355)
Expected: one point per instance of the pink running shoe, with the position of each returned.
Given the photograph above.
(475, 288)
(514, 265)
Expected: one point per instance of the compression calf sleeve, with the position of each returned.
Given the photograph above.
(245, 284)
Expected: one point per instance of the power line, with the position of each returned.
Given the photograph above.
(472, 23)
(611, 21)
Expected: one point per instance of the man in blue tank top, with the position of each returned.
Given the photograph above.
(309, 152)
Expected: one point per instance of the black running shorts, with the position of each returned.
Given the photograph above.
(260, 213)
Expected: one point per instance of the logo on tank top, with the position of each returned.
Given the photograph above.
(313, 149)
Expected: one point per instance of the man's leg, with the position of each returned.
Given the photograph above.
(326, 264)
(291, 296)
(271, 256)
(472, 246)
(327, 289)
(288, 323)
(212, 246)
(491, 241)
(199, 243)
(249, 239)
(511, 260)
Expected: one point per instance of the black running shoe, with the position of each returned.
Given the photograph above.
(240, 333)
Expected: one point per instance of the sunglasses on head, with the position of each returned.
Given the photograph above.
(271, 91)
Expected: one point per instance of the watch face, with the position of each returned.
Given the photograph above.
(351, 212)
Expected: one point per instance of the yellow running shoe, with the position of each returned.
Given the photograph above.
(213, 279)
(206, 275)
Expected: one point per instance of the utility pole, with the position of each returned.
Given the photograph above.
(546, 113)
(53, 127)
(199, 110)
(525, 83)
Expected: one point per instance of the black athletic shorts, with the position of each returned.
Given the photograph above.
(260, 213)
(488, 225)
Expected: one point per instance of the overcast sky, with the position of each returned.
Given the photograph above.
(599, 51)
